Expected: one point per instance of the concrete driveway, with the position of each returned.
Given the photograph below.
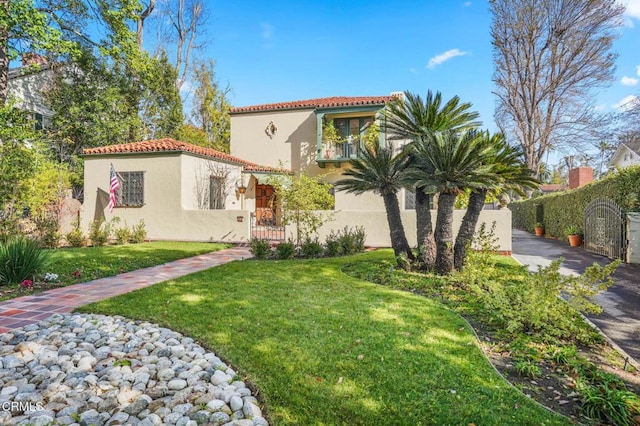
(620, 320)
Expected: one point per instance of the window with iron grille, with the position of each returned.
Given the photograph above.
(216, 193)
(131, 191)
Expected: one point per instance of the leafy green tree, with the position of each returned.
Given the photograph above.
(160, 103)
(16, 163)
(211, 108)
(414, 119)
(507, 172)
(300, 197)
(378, 169)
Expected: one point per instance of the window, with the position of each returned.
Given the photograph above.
(131, 191)
(216, 193)
(352, 126)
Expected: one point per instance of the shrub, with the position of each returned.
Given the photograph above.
(260, 248)
(332, 247)
(99, 232)
(122, 235)
(47, 229)
(138, 233)
(609, 404)
(311, 248)
(20, 259)
(352, 240)
(76, 237)
(286, 250)
(346, 241)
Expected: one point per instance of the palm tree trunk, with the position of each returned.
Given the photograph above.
(424, 228)
(468, 227)
(396, 229)
(444, 233)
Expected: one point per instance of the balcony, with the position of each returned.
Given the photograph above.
(338, 153)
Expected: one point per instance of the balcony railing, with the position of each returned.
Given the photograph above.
(339, 152)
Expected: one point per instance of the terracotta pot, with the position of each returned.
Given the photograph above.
(539, 231)
(575, 240)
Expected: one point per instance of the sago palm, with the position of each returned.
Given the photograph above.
(414, 119)
(506, 172)
(378, 169)
(454, 161)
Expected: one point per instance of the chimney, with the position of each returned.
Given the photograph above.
(580, 176)
(32, 58)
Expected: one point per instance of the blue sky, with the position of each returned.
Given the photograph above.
(275, 51)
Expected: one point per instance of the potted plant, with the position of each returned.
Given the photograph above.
(574, 233)
(331, 138)
(539, 228)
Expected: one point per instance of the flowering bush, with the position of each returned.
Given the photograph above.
(26, 284)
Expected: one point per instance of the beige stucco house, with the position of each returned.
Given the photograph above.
(287, 137)
(181, 191)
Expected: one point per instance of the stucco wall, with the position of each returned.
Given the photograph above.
(162, 211)
(28, 91)
(377, 230)
(196, 172)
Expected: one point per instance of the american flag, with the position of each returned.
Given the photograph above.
(114, 184)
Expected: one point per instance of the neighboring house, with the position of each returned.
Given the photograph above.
(265, 140)
(26, 86)
(627, 153)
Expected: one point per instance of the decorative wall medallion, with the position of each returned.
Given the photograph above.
(271, 129)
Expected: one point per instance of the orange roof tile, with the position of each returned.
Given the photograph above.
(172, 145)
(335, 101)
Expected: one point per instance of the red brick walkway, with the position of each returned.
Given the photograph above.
(27, 310)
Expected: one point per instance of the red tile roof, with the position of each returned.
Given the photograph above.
(335, 101)
(172, 145)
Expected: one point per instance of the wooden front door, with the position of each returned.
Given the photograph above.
(265, 205)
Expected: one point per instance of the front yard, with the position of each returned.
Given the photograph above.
(76, 265)
(323, 347)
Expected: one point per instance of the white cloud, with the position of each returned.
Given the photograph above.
(633, 8)
(438, 59)
(413, 70)
(629, 81)
(467, 3)
(626, 103)
(638, 70)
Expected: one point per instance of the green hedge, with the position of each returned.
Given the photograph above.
(559, 210)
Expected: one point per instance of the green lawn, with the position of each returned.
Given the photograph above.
(326, 348)
(75, 265)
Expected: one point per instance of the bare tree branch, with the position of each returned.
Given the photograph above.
(549, 57)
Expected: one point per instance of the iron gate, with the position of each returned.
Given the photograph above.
(605, 229)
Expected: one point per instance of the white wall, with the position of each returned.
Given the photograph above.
(377, 230)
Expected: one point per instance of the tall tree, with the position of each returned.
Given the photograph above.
(549, 57)
(187, 19)
(211, 109)
(413, 119)
(379, 170)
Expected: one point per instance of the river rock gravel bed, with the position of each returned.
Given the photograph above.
(78, 369)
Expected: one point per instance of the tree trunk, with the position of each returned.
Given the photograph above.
(444, 233)
(467, 228)
(396, 229)
(424, 228)
(4, 58)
